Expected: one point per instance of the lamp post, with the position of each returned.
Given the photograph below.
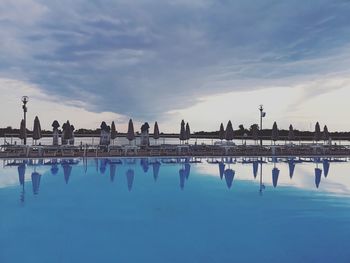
(24, 107)
(262, 114)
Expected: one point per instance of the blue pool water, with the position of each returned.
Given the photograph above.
(149, 210)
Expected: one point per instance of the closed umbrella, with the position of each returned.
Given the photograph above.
(55, 125)
(156, 132)
(22, 130)
(222, 132)
(317, 134)
(67, 133)
(182, 135)
(291, 136)
(131, 134)
(325, 133)
(71, 141)
(105, 135)
(36, 130)
(229, 132)
(55, 134)
(130, 178)
(274, 133)
(188, 132)
(113, 131)
(229, 175)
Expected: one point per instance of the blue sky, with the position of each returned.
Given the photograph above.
(157, 60)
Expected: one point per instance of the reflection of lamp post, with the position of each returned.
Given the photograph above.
(262, 114)
(262, 185)
(25, 100)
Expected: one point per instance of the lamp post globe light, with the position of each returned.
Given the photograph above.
(25, 99)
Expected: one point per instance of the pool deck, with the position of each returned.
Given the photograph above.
(183, 150)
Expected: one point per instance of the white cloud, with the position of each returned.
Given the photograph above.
(48, 108)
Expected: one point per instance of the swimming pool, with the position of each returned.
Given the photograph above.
(174, 210)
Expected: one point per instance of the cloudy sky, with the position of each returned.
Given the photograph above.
(206, 61)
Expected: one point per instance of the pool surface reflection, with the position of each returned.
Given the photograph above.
(175, 210)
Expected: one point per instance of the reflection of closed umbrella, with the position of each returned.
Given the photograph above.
(22, 130)
(36, 182)
(325, 167)
(187, 170)
(67, 169)
(182, 135)
(229, 132)
(255, 168)
(182, 178)
(144, 164)
(21, 173)
(103, 165)
(54, 168)
(275, 174)
(36, 129)
(221, 169)
(317, 134)
(112, 171)
(130, 178)
(318, 174)
(156, 166)
(274, 132)
(113, 131)
(291, 136)
(229, 175)
(291, 165)
(131, 134)
(156, 131)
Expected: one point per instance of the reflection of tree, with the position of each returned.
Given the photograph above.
(21, 177)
